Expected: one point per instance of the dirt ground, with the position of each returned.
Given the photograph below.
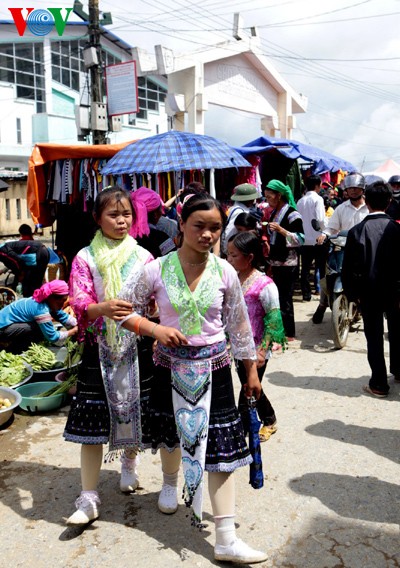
(331, 496)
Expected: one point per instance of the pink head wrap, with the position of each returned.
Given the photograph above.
(143, 200)
(58, 287)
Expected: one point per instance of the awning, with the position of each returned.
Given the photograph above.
(3, 186)
(42, 153)
(292, 149)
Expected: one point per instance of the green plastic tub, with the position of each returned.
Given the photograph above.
(30, 401)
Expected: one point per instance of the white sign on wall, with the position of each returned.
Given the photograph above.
(122, 90)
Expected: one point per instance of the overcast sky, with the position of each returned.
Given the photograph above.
(344, 55)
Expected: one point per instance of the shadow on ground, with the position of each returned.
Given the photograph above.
(349, 387)
(336, 543)
(363, 498)
(40, 492)
(383, 442)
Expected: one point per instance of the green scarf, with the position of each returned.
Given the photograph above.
(280, 187)
(110, 257)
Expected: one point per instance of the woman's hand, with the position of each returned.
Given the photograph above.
(152, 309)
(72, 331)
(115, 309)
(265, 247)
(261, 353)
(253, 385)
(169, 336)
(276, 227)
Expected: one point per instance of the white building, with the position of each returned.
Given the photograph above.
(42, 79)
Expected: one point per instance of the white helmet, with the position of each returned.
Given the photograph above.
(354, 180)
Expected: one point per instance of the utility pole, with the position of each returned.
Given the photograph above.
(93, 61)
(96, 85)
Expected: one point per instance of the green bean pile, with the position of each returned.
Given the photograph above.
(40, 358)
(60, 388)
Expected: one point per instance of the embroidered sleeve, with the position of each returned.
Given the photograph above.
(295, 238)
(137, 289)
(81, 291)
(274, 331)
(67, 320)
(236, 320)
(44, 320)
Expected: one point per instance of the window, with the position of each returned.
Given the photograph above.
(150, 95)
(18, 207)
(8, 213)
(21, 64)
(19, 133)
(24, 50)
(67, 62)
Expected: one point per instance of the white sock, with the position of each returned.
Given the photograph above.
(91, 496)
(130, 463)
(225, 532)
(171, 479)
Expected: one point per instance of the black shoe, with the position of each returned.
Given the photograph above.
(306, 298)
(318, 315)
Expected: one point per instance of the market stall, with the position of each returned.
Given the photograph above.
(40, 185)
(63, 181)
(289, 160)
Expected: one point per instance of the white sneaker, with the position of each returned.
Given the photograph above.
(168, 499)
(129, 478)
(87, 509)
(239, 552)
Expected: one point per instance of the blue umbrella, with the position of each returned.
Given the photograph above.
(256, 472)
(174, 151)
(372, 178)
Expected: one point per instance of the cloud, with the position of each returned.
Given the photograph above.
(375, 139)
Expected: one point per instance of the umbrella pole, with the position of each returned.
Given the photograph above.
(212, 183)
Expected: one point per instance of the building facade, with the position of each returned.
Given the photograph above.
(42, 81)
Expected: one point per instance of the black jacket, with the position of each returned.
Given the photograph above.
(293, 223)
(371, 268)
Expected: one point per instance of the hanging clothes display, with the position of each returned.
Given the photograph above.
(63, 182)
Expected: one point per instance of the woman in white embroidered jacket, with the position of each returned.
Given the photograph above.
(194, 417)
(107, 405)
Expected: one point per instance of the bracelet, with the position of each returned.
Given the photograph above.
(152, 330)
(136, 325)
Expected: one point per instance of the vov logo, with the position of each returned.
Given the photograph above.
(40, 22)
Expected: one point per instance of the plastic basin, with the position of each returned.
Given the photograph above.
(40, 376)
(15, 399)
(30, 401)
(61, 377)
(50, 375)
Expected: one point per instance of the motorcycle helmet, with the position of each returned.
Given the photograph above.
(354, 180)
(394, 179)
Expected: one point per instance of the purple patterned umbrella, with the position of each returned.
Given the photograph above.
(174, 151)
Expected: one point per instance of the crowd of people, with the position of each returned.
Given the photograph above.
(165, 304)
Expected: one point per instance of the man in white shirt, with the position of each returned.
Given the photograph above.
(345, 216)
(311, 206)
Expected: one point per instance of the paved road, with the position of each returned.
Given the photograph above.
(330, 500)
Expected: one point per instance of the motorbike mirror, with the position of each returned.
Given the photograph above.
(315, 225)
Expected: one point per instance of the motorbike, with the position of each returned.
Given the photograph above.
(344, 313)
